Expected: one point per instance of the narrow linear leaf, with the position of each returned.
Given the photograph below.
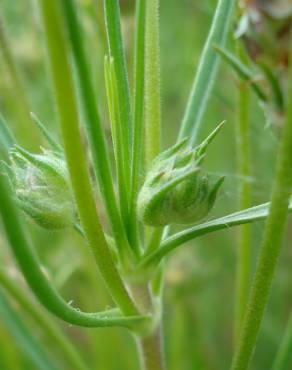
(7, 139)
(249, 215)
(54, 144)
(242, 71)
(117, 135)
(206, 72)
(116, 50)
(273, 81)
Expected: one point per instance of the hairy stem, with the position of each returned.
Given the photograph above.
(74, 153)
(270, 246)
(116, 49)
(149, 346)
(244, 194)
(152, 82)
(151, 352)
(138, 137)
(94, 129)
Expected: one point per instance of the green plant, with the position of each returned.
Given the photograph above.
(141, 209)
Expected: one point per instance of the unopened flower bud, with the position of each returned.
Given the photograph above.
(41, 186)
(176, 190)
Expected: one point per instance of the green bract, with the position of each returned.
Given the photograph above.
(41, 186)
(176, 190)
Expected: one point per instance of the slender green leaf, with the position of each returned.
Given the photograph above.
(7, 139)
(54, 144)
(249, 215)
(242, 71)
(206, 72)
(116, 50)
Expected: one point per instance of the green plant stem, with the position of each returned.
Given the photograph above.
(138, 137)
(149, 346)
(94, 130)
(283, 359)
(270, 246)
(155, 240)
(244, 194)
(206, 72)
(114, 113)
(75, 156)
(49, 328)
(152, 83)
(116, 49)
(249, 215)
(151, 352)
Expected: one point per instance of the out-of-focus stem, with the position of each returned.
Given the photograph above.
(271, 244)
(244, 195)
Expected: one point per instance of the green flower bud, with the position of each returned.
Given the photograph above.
(176, 190)
(41, 186)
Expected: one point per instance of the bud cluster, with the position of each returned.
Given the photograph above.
(41, 187)
(176, 190)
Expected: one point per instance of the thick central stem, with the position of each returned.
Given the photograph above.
(149, 346)
(151, 352)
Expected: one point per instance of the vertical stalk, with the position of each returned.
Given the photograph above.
(150, 346)
(151, 352)
(138, 139)
(271, 244)
(206, 72)
(74, 153)
(117, 136)
(152, 82)
(116, 49)
(94, 129)
(244, 194)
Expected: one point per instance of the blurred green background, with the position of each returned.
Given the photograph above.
(199, 291)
